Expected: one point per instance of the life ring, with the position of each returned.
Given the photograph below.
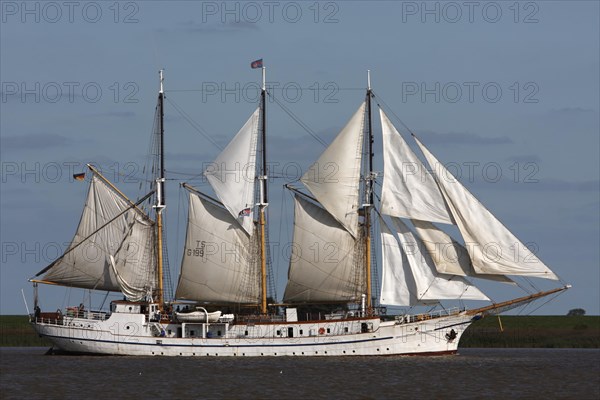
(321, 331)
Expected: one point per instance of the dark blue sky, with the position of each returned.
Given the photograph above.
(507, 92)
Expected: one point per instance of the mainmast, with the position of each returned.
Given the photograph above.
(160, 196)
(263, 202)
(368, 194)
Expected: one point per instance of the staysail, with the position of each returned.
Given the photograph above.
(398, 286)
(232, 174)
(449, 256)
(219, 263)
(323, 265)
(492, 247)
(409, 190)
(109, 227)
(430, 284)
(335, 177)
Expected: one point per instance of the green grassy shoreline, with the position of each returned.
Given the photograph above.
(518, 331)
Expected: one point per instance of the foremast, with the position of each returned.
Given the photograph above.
(160, 204)
(263, 193)
(369, 177)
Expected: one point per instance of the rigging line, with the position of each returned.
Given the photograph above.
(379, 99)
(546, 302)
(194, 124)
(190, 176)
(271, 89)
(298, 121)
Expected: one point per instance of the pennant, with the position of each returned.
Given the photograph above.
(256, 64)
(79, 177)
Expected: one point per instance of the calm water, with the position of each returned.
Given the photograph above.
(474, 373)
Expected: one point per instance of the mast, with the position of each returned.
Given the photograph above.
(263, 196)
(368, 194)
(160, 196)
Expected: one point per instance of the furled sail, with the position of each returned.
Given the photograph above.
(323, 266)
(492, 247)
(335, 177)
(232, 174)
(218, 263)
(429, 283)
(129, 238)
(449, 256)
(409, 190)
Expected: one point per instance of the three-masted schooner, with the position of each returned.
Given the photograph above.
(225, 258)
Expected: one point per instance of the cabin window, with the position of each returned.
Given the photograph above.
(290, 332)
(218, 333)
(278, 333)
(301, 332)
(192, 333)
(246, 333)
(346, 329)
(328, 330)
(169, 331)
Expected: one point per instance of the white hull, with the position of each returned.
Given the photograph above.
(130, 334)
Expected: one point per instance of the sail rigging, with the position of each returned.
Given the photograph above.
(226, 255)
(449, 256)
(492, 247)
(218, 263)
(335, 177)
(110, 226)
(431, 285)
(408, 190)
(232, 173)
(323, 263)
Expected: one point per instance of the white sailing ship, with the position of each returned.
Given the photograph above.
(225, 259)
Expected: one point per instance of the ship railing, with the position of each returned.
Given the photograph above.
(409, 318)
(75, 312)
(58, 318)
(48, 321)
(49, 318)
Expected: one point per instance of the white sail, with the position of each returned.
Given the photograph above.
(322, 264)
(218, 263)
(409, 190)
(492, 247)
(429, 283)
(130, 238)
(398, 286)
(232, 174)
(449, 256)
(334, 178)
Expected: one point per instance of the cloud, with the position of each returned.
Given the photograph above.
(34, 141)
(462, 138)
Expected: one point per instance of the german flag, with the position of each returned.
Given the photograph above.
(79, 177)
